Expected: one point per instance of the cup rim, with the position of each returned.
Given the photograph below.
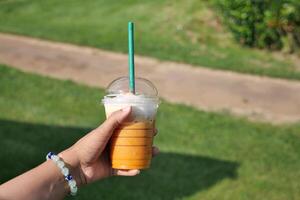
(144, 100)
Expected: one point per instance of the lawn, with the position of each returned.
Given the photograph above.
(183, 31)
(204, 155)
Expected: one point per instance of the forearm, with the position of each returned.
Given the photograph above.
(42, 182)
(46, 181)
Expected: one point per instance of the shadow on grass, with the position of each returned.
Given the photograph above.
(172, 175)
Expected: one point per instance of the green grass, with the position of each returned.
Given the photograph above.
(183, 31)
(204, 155)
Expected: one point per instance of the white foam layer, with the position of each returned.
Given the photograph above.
(143, 108)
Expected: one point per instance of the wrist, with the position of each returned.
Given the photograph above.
(70, 158)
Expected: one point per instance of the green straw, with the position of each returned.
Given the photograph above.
(131, 57)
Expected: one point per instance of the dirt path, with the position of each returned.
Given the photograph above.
(258, 98)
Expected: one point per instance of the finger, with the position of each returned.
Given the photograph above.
(155, 151)
(131, 172)
(155, 131)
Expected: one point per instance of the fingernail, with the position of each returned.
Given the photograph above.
(126, 109)
(156, 150)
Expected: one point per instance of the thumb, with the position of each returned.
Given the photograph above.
(97, 139)
(113, 121)
(116, 118)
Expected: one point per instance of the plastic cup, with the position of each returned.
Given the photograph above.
(131, 143)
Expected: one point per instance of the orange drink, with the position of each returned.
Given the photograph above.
(131, 146)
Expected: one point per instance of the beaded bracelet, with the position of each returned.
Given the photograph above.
(65, 171)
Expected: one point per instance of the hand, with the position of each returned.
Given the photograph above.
(89, 157)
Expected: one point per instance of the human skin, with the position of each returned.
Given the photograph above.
(87, 160)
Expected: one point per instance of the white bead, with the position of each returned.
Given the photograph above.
(72, 183)
(60, 164)
(65, 171)
(55, 158)
(73, 190)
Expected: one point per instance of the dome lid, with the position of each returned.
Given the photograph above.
(142, 87)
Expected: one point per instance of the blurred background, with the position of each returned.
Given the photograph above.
(228, 73)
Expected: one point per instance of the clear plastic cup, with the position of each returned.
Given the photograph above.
(131, 143)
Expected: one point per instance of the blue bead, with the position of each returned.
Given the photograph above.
(69, 177)
(50, 154)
